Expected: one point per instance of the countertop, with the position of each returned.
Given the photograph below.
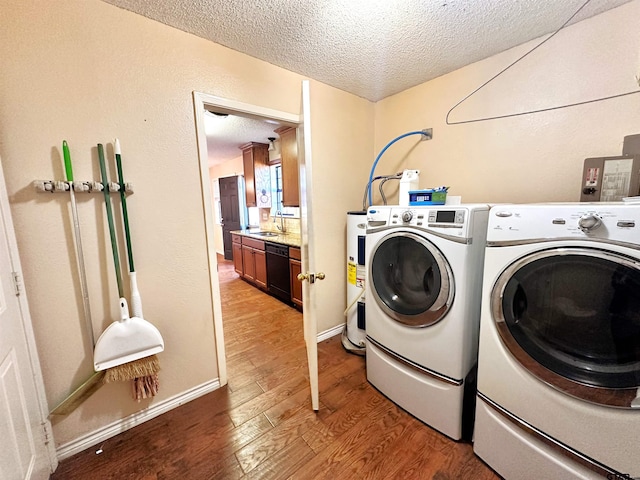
(288, 238)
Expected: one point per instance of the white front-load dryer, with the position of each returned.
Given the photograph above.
(423, 286)
(559, 355)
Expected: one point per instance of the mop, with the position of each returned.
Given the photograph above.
(87, 389)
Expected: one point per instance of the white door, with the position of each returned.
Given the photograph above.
(306, 248)
(27, 447)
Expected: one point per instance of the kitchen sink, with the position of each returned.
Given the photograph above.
(265, 234)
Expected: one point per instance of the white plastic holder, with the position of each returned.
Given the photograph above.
(408, 182)
(81, 187)
(96, 186)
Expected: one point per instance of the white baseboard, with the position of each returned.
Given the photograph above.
(104, 433)
(119, 426)
(332, 332)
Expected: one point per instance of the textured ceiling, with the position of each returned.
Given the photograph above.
(370, 48)
(226, 134)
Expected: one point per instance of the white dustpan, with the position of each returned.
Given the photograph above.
(126, 340)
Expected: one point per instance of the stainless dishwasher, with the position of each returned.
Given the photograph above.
(278, 271)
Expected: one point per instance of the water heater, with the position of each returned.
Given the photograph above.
(353, 337)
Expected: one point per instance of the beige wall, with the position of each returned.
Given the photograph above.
(530, 158)
(86, 71)
(229, 168)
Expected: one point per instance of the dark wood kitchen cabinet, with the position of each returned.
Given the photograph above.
(236, 243)
(289, 161)
(255, 160)
(295, 267)
(254, 262)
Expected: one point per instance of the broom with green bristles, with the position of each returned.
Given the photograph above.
(127, 347)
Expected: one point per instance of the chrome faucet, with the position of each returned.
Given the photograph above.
(281, 226)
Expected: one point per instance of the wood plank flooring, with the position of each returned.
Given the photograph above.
(261, 425)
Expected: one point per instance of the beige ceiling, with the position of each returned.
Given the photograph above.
(370, 48)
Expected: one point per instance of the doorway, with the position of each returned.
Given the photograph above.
(228, 110)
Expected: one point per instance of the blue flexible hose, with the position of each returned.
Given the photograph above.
(373, 167)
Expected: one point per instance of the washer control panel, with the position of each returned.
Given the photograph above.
(449, 220)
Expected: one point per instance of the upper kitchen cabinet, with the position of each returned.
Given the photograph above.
(255, 158)
(289, 160)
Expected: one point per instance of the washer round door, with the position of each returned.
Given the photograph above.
(571, 316)
(411, 280)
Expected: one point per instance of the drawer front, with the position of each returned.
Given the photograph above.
(253, 243)
(235, 238)
(294, 253)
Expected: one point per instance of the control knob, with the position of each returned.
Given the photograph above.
(407, 216)
(589, 221)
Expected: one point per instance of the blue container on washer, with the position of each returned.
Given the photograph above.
(428, 196)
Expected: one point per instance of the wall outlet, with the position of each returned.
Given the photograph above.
(265, 216)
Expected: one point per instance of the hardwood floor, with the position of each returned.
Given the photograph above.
(261, 425)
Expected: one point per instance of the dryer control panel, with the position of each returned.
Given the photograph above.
(613, 221)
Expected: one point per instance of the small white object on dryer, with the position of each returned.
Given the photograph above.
(408, 182)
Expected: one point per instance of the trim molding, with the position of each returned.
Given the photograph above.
(111, 430)
(332, 332)
(135, 419)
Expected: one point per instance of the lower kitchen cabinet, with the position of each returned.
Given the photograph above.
(295, 267)
(261, 268)
(254, 262)
(250, 262)
(237, 253)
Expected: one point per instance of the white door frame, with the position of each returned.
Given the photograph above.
(231, 107)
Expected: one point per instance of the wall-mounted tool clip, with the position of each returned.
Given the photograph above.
(57, 186)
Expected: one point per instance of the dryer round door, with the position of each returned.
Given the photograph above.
(410, 279)
(571, 316)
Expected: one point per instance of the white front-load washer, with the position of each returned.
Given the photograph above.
(423, 287)
(559, 354)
